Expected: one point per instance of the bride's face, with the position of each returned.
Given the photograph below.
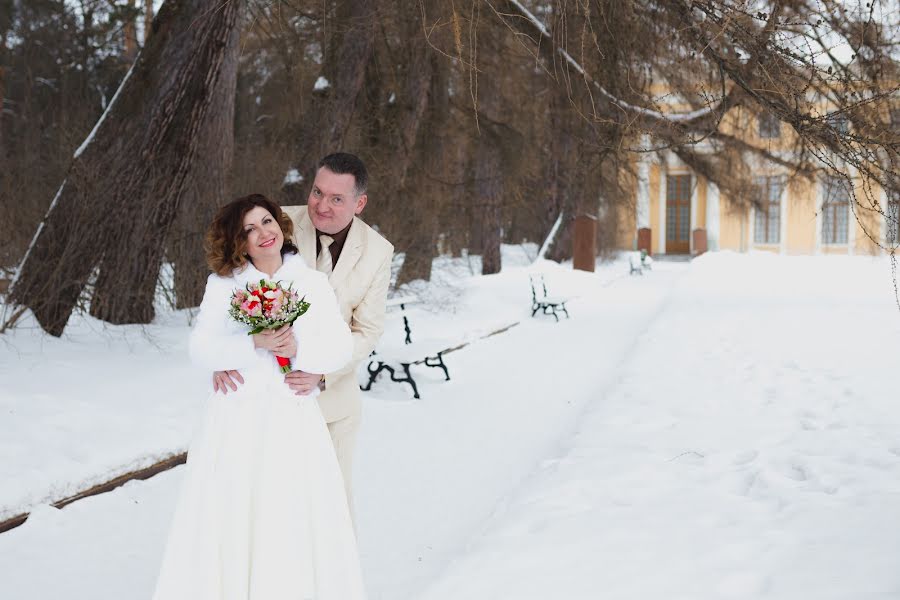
(264, 235)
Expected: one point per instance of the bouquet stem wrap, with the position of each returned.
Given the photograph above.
(284, 364)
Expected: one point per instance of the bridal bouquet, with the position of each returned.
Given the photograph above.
(267, 305)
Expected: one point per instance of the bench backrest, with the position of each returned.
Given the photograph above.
(539, 277)
(402, 301)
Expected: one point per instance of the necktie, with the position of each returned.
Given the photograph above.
(323, 261)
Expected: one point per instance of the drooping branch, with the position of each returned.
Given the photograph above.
(703, 119)
(760, 72)
(788, 84)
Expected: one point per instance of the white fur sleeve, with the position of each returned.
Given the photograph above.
(323, 338)
(217, 343)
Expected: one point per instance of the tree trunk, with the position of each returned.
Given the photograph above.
(489, 172)
(562, 188)
(423, 125)
(323, 129)
(489, 215)
(424, 196)
(567, 169)
(498, 145)
(148, 19)
(114, 210)
(130, 32)
(207, 185)
(353, 56)
(419, 90)
(2, 90)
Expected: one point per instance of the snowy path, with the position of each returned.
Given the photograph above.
(721, 429)
(429, 472)
(751, 449)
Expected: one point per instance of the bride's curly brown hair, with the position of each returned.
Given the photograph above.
(226, 240)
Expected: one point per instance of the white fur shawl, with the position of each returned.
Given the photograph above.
(218, 342)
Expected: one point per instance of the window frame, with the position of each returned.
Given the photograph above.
(894, 117)
(830, 206)
(839, 121)
(768, 126)
(892, 219)
(763, 187)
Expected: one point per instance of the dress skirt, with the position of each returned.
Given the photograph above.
(263, 513)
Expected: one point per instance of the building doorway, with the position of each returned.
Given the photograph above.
(678, 214)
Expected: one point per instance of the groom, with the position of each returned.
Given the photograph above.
(357, 261)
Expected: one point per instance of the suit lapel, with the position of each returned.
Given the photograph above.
(305, 239)
(350, 254)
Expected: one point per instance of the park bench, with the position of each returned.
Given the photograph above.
(638, 262)
(542, 301)
(393, 354)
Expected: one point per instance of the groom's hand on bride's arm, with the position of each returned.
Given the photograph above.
(222, 380)
(301, 382)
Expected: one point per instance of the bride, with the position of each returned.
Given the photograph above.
(262, 514)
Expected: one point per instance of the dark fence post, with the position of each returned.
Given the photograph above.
(584, 252)
(645, 240)
(699, 241)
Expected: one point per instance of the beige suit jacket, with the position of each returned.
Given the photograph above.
(360, 280)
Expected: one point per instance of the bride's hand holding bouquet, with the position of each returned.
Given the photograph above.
(279, 342)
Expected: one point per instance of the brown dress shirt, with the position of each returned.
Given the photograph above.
(336, 246)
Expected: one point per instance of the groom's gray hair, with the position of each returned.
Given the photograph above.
(344, 163)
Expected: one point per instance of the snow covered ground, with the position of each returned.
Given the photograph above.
(98, 402)
(726, 428)
(749, 449)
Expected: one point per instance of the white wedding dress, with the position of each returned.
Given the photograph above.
(263, 513)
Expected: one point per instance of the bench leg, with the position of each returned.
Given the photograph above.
(439, 362)
(550, 309)
(373, 374)
(408, 379)
(563, 308)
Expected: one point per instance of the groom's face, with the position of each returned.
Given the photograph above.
(333, 201)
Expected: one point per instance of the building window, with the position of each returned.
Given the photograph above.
(769, 125)
(767, 222)
(839, 122)
(893, 218)
(835, 211)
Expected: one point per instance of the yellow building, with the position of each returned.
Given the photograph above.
(795, 215)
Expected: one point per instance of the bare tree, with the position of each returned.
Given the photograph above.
(481, 121)
(425, 114)
(146, 145)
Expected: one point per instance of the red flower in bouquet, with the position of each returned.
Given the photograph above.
(267, 305)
